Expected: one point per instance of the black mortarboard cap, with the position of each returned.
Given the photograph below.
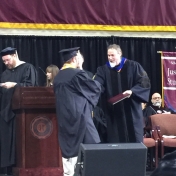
(8, 51)
(69, 53)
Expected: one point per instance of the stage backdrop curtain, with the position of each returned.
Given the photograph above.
(43, 51)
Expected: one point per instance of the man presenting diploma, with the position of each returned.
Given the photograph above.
(120, 75)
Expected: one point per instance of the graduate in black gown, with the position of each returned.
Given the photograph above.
(17, 73)
(120, 75)
(76, 95)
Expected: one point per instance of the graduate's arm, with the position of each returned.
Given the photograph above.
(141, 88)
(100, 77)
(89, 88)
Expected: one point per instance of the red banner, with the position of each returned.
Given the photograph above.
(124, 15)
(169, 79)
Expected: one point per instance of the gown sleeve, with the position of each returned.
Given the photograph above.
(89, 88)
(100, 77)
(141, 88)
(29, 78)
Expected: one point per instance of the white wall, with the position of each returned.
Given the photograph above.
(36, 32)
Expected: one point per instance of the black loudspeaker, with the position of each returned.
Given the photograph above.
(128, 159)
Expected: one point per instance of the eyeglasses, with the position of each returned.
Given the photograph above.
(154, 98)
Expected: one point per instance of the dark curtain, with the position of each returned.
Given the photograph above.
(42, 51)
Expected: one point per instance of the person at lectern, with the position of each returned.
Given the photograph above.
(17, 73)
(76, 94)
(120, 75)
(51, 72)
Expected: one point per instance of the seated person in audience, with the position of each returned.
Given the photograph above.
(154, 108)
(51, 72)
(167, 166)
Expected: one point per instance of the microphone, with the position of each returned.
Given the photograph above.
(42, 70)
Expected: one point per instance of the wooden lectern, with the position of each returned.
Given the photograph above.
(37, 148)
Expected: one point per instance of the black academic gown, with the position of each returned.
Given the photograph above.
(124, 119)
(24, 75)
(76, 94)
(90, 74)
(99, 117)
(151, 110)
